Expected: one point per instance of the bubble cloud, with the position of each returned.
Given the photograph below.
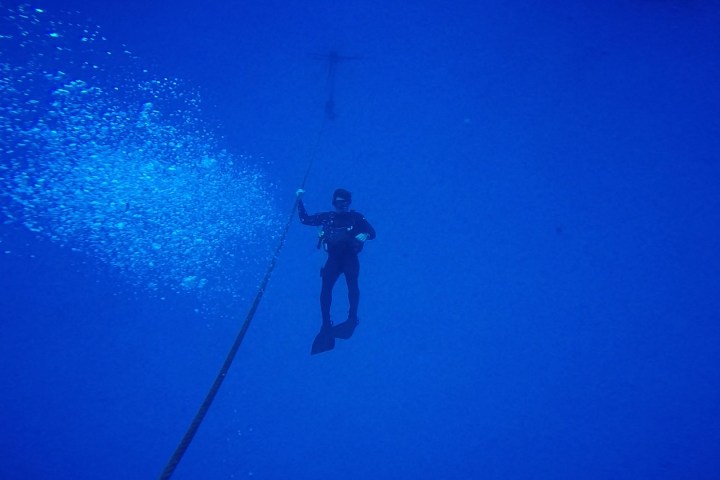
(119, 165)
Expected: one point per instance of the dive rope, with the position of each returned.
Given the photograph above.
(200, 415)
(332, 58)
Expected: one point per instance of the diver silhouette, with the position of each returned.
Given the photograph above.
(333, 58)
(343, 235)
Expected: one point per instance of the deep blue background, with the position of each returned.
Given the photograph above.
(543, 297)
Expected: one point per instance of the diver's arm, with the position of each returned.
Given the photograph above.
(366, 230)
(312, 220)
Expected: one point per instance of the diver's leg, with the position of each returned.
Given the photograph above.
(330, 273)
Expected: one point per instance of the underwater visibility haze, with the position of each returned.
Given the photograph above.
(542, 300)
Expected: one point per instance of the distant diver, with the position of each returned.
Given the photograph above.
(332, 58)
(343, 235)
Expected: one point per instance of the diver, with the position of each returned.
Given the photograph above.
(343, 235)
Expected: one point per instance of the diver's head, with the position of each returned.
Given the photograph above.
(341, 200)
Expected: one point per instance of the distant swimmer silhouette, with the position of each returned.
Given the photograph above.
(343, 235)
(332, 58)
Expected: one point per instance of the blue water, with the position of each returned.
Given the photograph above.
(542, 300)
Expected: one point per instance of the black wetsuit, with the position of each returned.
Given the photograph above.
(339, 231)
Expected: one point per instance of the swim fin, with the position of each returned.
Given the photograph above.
(324, 341)
(345, 329)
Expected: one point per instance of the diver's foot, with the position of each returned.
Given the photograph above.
(345, 329)
(324, 340)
